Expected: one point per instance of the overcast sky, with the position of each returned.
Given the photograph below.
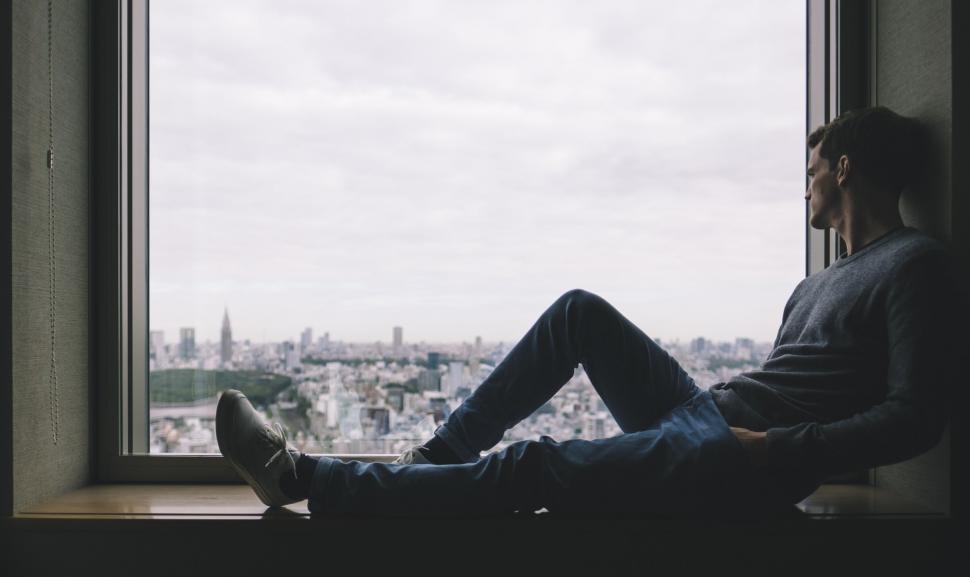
(453, 167)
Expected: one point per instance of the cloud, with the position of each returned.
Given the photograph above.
(452, 167)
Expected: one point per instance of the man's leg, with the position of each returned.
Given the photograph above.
(686, 462)
(637, 380)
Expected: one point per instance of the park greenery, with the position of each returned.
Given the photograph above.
(191, 385)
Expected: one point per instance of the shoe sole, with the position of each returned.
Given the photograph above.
(225, 419)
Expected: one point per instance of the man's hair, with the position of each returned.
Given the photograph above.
(887, 147)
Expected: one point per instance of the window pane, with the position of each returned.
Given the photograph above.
(358, 208)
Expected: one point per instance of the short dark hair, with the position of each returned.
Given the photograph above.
(885, 146)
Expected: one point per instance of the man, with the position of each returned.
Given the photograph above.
(857, 378)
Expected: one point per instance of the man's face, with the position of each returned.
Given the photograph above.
(823, 193)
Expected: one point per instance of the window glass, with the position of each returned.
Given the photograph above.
(357, 208)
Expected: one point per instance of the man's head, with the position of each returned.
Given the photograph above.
(865, 156)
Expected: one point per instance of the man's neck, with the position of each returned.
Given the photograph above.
(863, 221)
(859, 230)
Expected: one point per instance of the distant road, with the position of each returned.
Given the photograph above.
(200, 408)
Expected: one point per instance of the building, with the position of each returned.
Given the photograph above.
(306, 339)
(186, 343)
(375, 420)
(429, 380)
(398, 340)
(291, 356)
(456, 377)
(594, 425)
(158, 355)
(395, 397)
(225, 344)
(699, 345)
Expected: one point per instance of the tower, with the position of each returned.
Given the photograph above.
(225, 351)
(398, 340)
(306, 339)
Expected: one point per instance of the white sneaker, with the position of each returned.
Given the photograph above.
(411, 457)
(258, 451)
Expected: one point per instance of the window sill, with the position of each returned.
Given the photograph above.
(229, 502)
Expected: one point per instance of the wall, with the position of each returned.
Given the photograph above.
(911, 73)
(41, 466)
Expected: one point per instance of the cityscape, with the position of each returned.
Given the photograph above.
(337, 397)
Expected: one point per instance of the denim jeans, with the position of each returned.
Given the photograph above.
(676, 453)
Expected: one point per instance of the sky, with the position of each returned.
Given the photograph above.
(452, 167)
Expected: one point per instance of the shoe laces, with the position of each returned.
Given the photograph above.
(409, 457)
(277, 437)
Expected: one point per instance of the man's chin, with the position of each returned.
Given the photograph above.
(817, 223)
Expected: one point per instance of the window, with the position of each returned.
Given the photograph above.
(416, 166)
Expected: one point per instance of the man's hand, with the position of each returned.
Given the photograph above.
(755, 442)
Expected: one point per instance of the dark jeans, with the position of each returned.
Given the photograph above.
(676, 454)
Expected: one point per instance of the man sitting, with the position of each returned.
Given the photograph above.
(857, 378)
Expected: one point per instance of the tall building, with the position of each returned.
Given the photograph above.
(306, 339)
(434, 359)
(291, 356)
(158, 356)
(594, 425)
(478, 347)
(699, 345)
(225, 350)
(187, 343)
(398, 340)
(456, 376)
(429, 380)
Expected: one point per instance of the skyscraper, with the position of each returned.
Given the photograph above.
(456, 377)
(291, 356)
(226, 349)
(187, 343)
(398, 340)
(306, 339)
(156, 350)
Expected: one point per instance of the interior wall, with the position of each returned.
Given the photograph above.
(960, 215)
(6, 415)
(911, 74)
(41, 466)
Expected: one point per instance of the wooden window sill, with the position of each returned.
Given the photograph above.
(228, 502)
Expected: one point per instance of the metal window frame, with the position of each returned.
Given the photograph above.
(119, 235)
(838, 35)
(119, 264)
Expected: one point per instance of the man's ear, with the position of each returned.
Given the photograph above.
(842, 170)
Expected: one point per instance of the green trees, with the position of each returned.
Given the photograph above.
(190, 385)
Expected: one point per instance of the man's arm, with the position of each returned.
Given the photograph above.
(920, 313)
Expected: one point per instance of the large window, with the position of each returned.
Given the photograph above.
(355, 211)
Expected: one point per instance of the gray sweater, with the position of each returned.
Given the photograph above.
(861, 367)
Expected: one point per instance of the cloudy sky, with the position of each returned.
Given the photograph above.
(454, 166)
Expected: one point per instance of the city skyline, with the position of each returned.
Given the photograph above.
(371, 398)
(396, 339)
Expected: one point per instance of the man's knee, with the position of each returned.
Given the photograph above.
(584, 302)
(579, 297)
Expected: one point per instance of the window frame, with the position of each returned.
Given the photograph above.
(837, 60)
(119, 220)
